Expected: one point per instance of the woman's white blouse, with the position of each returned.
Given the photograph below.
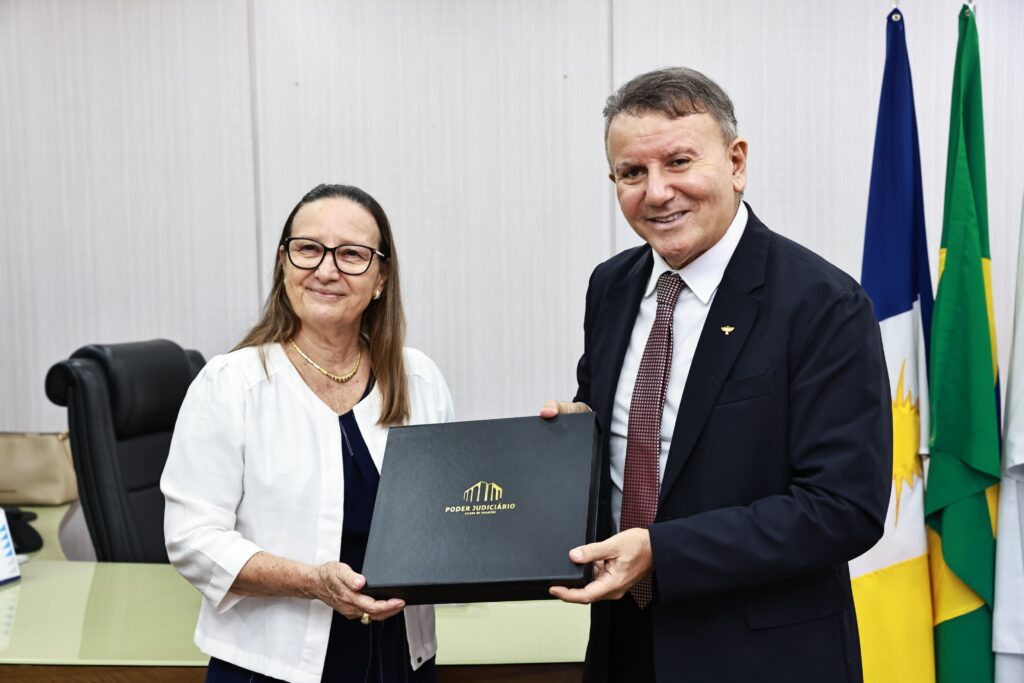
(255, 464)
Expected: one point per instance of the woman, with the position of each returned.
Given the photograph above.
(273, 469)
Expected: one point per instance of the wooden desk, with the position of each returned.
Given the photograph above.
(86, 621)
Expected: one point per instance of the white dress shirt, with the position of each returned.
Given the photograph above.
(255, 464)
(701, 277)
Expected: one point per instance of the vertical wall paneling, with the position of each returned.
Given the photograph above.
(125, 184)
(150, 151)
(477, 125)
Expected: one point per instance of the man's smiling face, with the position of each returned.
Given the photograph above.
(678, 182)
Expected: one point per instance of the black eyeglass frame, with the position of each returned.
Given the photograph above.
(334, 254)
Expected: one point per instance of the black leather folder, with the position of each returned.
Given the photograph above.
(483, 511)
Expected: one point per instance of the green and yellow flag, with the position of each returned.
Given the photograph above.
(963, 477)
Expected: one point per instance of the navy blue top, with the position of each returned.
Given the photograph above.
(378, 651)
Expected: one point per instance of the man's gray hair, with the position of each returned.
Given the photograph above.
(674, 92)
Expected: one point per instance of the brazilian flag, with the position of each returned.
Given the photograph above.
(962, 486)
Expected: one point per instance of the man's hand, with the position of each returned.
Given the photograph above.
(619, 562)
(552, 408)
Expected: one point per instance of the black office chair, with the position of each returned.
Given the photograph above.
(122, 402)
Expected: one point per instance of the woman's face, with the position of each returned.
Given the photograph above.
(326, 298)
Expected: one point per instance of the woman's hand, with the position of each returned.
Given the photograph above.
(333, 583)
(338, 586)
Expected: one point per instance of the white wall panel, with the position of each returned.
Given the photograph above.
(477, 125)
(128, 156)
(126, 184)
(805, 77)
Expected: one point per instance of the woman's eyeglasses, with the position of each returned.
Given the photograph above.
(351, 259)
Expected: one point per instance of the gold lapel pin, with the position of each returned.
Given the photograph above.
(727, 329)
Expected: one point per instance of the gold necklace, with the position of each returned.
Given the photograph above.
(340, 379)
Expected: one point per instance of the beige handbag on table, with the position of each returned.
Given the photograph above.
(36, 469)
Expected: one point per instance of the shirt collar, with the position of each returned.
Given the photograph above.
(703, 274)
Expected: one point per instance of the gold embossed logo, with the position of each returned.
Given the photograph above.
(482, 498)
(483, 491)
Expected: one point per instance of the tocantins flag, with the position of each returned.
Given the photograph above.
(891, 587)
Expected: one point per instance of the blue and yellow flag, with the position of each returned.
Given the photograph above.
(891, 586)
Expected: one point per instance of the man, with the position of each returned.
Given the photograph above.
(741, 392)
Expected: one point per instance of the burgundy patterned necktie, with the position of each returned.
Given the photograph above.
(643, 436)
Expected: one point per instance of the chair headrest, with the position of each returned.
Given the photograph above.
(147, 382)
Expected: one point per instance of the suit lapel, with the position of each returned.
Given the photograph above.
(733, 307)
(614, 328)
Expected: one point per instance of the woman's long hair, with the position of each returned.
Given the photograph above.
(383, 321)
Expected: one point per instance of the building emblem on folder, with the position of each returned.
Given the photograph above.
(482, 491)
(482, 498)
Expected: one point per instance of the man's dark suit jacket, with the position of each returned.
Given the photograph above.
(778, 473)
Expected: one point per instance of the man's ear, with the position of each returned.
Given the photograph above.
(738, 158)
